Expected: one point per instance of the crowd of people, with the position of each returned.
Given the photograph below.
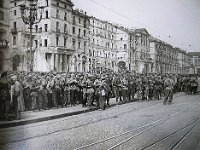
(31, 91)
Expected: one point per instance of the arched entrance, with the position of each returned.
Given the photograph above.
(16, 62)
(121, 65)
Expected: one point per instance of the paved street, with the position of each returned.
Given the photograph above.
(138, 125)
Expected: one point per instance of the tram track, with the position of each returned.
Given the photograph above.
(82, 125)
(193, 124)
(147, 127)
(78, 126)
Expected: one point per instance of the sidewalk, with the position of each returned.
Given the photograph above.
(29, 117)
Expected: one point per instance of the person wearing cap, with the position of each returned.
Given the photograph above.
(124, 89)
(90, 90)
(97, 84)
(4, 96)
(169, 85)
(108, 81)
(17, 99)
(116, 82)
(102, 92)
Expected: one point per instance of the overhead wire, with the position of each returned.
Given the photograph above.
(136, 21)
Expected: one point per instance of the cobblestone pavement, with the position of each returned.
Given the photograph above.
(136, 125)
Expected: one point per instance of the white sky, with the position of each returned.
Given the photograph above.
(176, 22)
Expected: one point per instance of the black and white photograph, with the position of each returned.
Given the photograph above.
(99, 74)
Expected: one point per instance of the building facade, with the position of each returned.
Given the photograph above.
(184, 64)
(102, 45)
(5, 53)
(141, 59)
(68, 40)
(164, 56)
(195, 62)
(60, 39)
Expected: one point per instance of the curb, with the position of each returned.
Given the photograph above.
(25, 122)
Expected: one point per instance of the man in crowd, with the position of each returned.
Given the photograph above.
(17, 99)
(169, 86)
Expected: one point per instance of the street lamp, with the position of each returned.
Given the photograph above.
(29, 17)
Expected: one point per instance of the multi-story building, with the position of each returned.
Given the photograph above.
(67, 40)
(195, 62)
(53, 41)
(122, 48)
(141, 51)
(102, 45)
(4, 36)
(80, 42)
(60, 39)
(183, 61)
(164, 57)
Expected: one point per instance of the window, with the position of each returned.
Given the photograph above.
(65, 28)
(65, 41)
(40, 29)
(79, 44)
(47, 3)
(65, 6)
(73, 30)
(85, 46)
(15, 12)
(57, 14)
(57, 25)
(1, 15)
(85, 24)
(47, 14)
(36, 28)
(57, 40)
(121, 39)
(84, 33)
(46, 27)
(15, 4)
(45, 43)
(14, 40)
(74, 20)
(14, 25)
(79, 20)
(57, 3)
(65, 17)
(36, 43)
(79, 32)
(125, 46)
(73, 43)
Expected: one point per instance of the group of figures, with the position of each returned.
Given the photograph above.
(26, 91)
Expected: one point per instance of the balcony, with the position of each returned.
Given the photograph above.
(14, 31)
(3, 43)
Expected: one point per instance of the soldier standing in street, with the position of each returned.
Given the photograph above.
(17, 99)
(116, 82)
(169, 86)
